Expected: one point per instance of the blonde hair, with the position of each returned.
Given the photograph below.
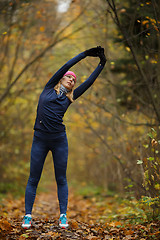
(69, 94)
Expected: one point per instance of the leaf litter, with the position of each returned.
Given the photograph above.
(89, 219)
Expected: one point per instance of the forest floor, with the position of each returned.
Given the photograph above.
(91, 218)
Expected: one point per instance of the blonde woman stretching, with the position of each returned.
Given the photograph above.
(50, 134)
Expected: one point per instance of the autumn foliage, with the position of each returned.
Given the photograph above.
(89, 218)
(113, 129)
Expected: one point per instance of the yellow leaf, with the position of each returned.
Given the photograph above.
(42, 28)
(109, 138)
(95, 125)
(128, 49)
(145, 22)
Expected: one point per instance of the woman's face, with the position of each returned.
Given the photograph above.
(68, 81)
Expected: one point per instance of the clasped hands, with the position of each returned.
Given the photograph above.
(97, 52)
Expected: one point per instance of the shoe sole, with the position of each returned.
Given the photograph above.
(64, 227)
(26, 227)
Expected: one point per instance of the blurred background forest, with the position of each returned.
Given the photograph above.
(113, 130)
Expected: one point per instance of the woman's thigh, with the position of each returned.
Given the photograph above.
(60, 156)
(39, 152)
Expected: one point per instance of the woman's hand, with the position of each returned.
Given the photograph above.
(102, 57)
(94, 52)
(97, 52)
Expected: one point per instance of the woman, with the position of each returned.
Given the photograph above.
(50, 134)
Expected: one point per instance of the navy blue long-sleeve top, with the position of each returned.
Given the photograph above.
(52, 107)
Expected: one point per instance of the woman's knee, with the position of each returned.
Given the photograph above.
(61, 180)
(33, 181)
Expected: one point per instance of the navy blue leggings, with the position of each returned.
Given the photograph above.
(39, 151)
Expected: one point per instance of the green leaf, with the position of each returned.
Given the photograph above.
(24, 235)
(150, 135)
(150, 158)
(153, 130)
(157, 186)
(139, 161)
(145, 145)
(130, 186)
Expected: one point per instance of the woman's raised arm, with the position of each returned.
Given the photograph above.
(59, 74)
(85, 85)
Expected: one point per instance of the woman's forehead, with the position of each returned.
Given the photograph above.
(69, 75)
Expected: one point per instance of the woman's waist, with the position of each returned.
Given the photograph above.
(48, 135)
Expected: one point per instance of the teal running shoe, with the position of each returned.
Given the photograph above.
(27, 222)
(63, 223)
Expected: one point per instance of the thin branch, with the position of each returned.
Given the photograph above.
(130, 45)
(127, 173)
(15, 58)
(118, 118)
(155, 13)
(131, 92)
(104, 142)
(70, 23)
(6, 47)
(56, 41)
(138, 34)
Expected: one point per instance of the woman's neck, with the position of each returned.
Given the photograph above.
(63, 89)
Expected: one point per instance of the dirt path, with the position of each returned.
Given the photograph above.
(88, 219)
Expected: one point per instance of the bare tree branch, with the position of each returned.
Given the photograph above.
(15, 58)
(125, 171)
(56, 40)
(101, 106)
(130, 45)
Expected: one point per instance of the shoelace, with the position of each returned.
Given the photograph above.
(63, 218)
(26, 218)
